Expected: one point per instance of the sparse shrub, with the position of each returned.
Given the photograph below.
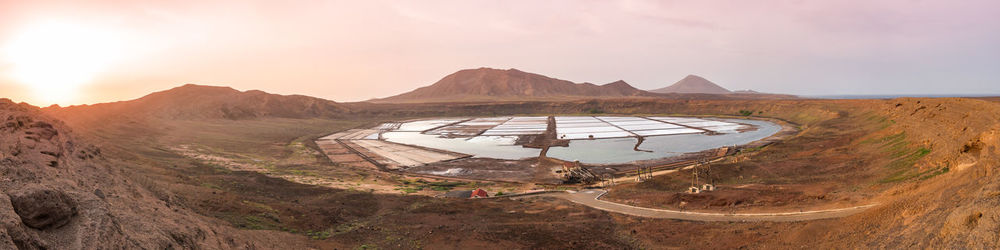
(210, 185)
(923, 151)
(595, 111)
(904, 162)
(744, 112)
(935, 172)
(447, 183)
(321, 235)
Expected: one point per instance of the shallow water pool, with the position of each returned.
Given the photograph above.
(596, 151)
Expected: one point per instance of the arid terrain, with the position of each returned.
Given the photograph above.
(394, 124)
(163, 171)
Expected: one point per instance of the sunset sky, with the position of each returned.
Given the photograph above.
(75, 52)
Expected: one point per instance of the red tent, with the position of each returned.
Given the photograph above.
(479, 193)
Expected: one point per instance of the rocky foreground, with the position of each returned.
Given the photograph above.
(59, 192)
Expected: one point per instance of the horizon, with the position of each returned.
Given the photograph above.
(819, 96)
(71, 53)
(847, 96)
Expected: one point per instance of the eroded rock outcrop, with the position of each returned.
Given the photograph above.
(41, 207)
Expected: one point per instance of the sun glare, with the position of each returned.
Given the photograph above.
(55, 59)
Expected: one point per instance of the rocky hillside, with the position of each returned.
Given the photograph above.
(951, 199)
(210, 102)
(59, 192)
(486, 84)
(693, 84)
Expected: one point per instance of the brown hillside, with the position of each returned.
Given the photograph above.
(512, 84)
(209, 102)
(693, 84)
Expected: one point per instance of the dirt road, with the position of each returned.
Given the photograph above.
(632, 176)
(590, 198)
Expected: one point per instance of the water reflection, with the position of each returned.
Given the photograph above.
(600, 151)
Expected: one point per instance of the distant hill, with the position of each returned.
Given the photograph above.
(693, 84)
(209, 102)
(487, 84)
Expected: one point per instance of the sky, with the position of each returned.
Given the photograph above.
(82, 52)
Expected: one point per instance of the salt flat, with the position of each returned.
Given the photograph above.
(601, 139)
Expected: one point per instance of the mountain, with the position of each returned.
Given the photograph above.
(693, 84)
(210, 102)
(487, 84)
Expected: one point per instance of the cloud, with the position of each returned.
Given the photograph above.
(667, 12)
(354, 50)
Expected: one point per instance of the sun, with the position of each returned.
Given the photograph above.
(56, 58)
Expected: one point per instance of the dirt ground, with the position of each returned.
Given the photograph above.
(806, 171)
(524, 170)
(930, 163)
